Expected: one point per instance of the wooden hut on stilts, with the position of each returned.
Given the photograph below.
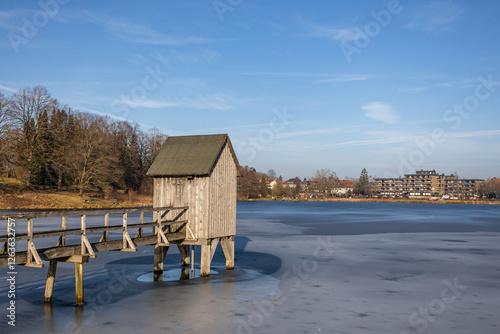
(199, 172)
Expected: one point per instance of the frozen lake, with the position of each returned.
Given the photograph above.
(301, 267)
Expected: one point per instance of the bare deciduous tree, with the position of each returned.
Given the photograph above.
(94, 160)
(4, 102)
(25, 109)
(323, 181)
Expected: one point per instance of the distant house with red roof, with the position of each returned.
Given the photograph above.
(343, 188)
(271, 183)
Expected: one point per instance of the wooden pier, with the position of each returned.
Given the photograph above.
(164, 233)
(194, 204)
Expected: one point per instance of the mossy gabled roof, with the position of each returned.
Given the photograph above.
(190, 155)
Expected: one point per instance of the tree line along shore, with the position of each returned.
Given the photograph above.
(45, 144)
(29, 199)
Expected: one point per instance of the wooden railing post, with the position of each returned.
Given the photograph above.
(141, 221)
(86, 247)
(62, 238)
(124, 239)
(160, 235)
(83, 226)
(127, 241)
(105, 234)
(32, 253)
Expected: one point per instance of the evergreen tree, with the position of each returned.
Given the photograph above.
(263, 186)
(362, 183)
(40, 168)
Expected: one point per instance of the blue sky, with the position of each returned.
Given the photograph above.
(390, 86)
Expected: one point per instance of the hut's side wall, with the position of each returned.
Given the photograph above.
(178, 191)
(222, 196)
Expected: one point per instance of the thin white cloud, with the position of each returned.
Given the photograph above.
(357, 143)
(482, 133)
(467, 83)
(382, 112)
(436, 15)
(8, 89)
(285, 74)
(12, 20)
(138, 33)
(215, 102)
(210, 55)
(330, 77)
(8, 19)
(337, 34)
(346, 78)
(113, 116)
(324, 131)
(394, 138)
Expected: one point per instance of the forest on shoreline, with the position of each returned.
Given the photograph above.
(45, 144)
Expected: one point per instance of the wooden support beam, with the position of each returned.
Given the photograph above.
(32, 253)
(159, 257)
(86, 246)
(213, 247)
(162, 238)
(190, 232)
(74, 259)
(49, 285)
(227, 244)
(184, 251)
(206, 253)
(192, 260)
(127, 241)
(79, 283)
(184, 274)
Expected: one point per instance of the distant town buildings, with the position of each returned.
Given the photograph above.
(427, 183)
(313, 188)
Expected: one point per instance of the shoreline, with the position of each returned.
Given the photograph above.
(39, 200)
(42, 200)
(377, 200)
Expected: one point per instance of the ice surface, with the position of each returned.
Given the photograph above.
(295, 273)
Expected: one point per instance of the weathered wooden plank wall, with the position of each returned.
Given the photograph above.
(222, 216)
(211, 200)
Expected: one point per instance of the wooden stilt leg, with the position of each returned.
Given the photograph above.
(184, 273)
(192, 260)
(228, 248)
(49, 285)
(159, 257)
(206, 254)
(79, 283)
(184, 250)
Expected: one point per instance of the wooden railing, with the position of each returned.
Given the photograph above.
(83, 250)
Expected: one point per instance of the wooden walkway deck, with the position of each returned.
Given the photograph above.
(164, 232)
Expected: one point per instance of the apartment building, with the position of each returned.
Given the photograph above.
(427, 183)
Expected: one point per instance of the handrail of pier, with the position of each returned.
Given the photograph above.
(86, 248)
(79, 212)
